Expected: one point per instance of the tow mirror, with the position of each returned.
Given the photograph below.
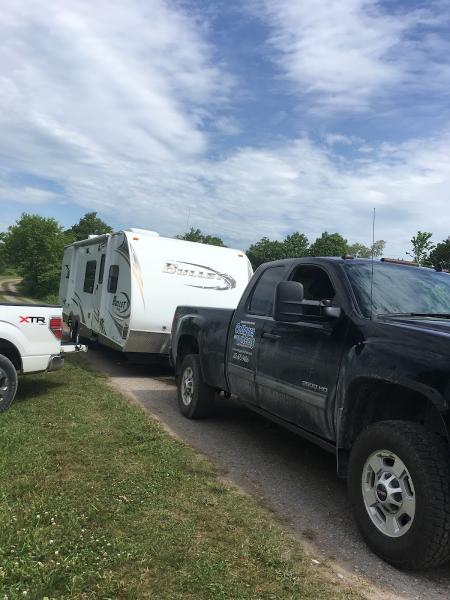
(288, 301)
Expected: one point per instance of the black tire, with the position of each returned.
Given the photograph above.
(424, 539)
(8, 383)
(199, 403)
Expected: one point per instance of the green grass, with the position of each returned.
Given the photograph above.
(98, 501)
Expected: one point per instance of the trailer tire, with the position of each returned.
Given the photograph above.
(399, 485)
(195, 397)
(8, 383)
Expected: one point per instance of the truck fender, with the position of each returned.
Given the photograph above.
(376, 382)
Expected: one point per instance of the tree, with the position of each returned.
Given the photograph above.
(3, 261)
(88, 225)
(361, 251)
(34, 246)
(440, 256)
(421, 247)
(295, 245)
(329, 244)
(195, 235)
(264, 251)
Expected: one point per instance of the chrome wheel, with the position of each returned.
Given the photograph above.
(4, 384)
(187, 386)
(388, 493)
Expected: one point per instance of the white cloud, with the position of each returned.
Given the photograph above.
(302, 186)
(349, 53)
(109, 101)
(106, 78)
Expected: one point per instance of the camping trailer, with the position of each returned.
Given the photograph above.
(122, 288)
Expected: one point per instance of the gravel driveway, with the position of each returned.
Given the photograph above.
(294, 478)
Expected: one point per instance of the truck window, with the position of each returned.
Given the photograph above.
(113, 278)
(261, 302)
(316, 283)
(89, 276)
(102, 269)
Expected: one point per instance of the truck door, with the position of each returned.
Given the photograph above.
(298, 362)
(245, 333)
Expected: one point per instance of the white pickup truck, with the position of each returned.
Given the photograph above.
(30, 341)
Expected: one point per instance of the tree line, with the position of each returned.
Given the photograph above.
(423, 251)
(33, 248)
(294, 245)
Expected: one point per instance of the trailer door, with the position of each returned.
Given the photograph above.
(96, 324)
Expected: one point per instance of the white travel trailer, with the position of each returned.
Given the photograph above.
(122, 288)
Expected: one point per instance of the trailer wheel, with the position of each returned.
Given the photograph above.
(8, 383)
(399, 485)
(195, 397)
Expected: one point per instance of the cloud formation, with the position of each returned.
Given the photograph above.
(117, 107)
(348, 54)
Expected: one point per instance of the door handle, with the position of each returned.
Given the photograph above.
(271, 336)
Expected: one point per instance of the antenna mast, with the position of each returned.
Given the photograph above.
(371, 275)
(188, 218)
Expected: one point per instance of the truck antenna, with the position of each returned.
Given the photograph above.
(188, 219)
(371, 274)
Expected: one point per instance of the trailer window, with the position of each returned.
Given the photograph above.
(102, 269)
(113, 278)
(89, 276)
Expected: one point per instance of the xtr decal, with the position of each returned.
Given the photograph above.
(210, 277)
(32, 320)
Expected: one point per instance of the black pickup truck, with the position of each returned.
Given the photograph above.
(354, 356)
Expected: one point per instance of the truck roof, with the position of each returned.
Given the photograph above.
(342, 260)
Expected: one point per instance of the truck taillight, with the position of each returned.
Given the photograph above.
(56, 327)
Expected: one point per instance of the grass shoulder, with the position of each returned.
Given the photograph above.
(98, 501)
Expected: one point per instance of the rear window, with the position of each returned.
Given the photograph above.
(113, 278)
(89, 276)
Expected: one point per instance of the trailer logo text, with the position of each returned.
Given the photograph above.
(121, 306)
(210, 278)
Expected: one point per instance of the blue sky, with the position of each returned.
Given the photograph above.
(256, 118)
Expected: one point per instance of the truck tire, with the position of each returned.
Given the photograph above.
(195, 397)
(8, 383)
(399, 486)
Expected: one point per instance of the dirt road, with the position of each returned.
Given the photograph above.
(8, 290)
(293, 477)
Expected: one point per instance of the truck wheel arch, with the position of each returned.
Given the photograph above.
(370, 400)
(187, 344)
(9, 350)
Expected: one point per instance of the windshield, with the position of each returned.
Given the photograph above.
(399, 289)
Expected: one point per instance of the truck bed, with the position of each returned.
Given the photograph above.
(213, 339)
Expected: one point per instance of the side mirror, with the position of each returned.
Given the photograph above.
(288, 301)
